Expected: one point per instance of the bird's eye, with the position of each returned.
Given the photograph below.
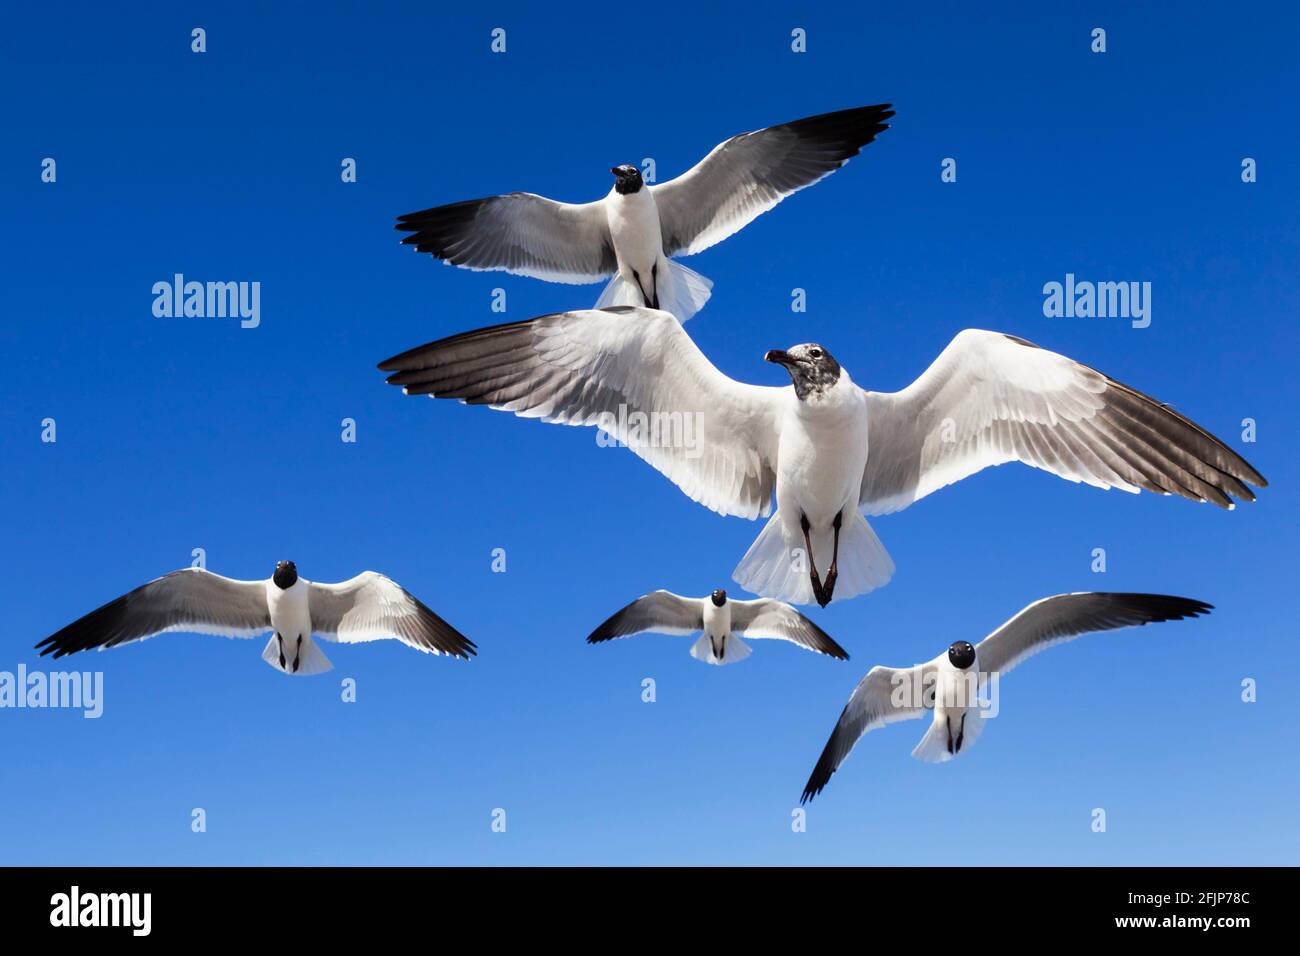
(815, 353)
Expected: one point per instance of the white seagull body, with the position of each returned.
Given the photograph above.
(646, 276)
(723, 622)
(950, 685)
(829, 450)
(365, 608)
(633, 231)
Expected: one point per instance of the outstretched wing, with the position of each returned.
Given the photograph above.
(886, 695)
(1062, 618)
(520, 233)
(371, 607)
(749, 174)
(661, 611)
(632, 372)
(765, 618)
(188, 600)
(991, 398)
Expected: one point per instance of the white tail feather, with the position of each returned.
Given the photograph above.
(734, 650)
(311, 660)
(769, 567)
(933, 747)
(682, 291)
(620, 292)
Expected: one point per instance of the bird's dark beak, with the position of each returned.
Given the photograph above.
(614, 170)
(779, 357)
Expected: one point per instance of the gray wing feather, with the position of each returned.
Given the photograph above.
(886, 695)
(371, 607)
(765, 618)
(519, 233)
(991, 398)
(1064, 617)
(748, 174)
(632, 372)
(661, 611)
(191, 599)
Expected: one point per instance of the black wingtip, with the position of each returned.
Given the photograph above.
(608, 629)
(461, 646)
(613, 626)
(102, 627)
(848, 129)
(826, 764)
(821, 774)
(830, 647)
(815, 785)
(438, 229)
(433, 633)
(417, 358)
(1163, 607)
(818, 779)
(55, 650)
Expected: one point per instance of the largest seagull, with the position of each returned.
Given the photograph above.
(826, 448)
(632, 232)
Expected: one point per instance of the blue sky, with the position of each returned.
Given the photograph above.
(180, 433)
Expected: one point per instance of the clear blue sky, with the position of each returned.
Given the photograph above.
(182, 433)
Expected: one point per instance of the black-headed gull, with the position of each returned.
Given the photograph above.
(827, 448)
(365, 608)
(632, 232)
(949, 686)
(723, 621)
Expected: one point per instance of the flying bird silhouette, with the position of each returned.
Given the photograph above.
(823, 447)
(725, 622)
(365, 608)
(948, 687)
(634, 230)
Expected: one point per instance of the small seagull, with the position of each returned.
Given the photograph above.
(632, 231)
(723, 622)
(823, 447)
(365, 608)
(950, 685)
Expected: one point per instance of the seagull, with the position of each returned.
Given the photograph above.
(949, 685)
(723, 622)
(365, 608)
(632, 232)
(829, 450)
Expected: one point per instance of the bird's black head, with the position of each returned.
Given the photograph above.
(719, 597)
(962, 655)
(627, 179)
(812, 369)
(286, 575)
